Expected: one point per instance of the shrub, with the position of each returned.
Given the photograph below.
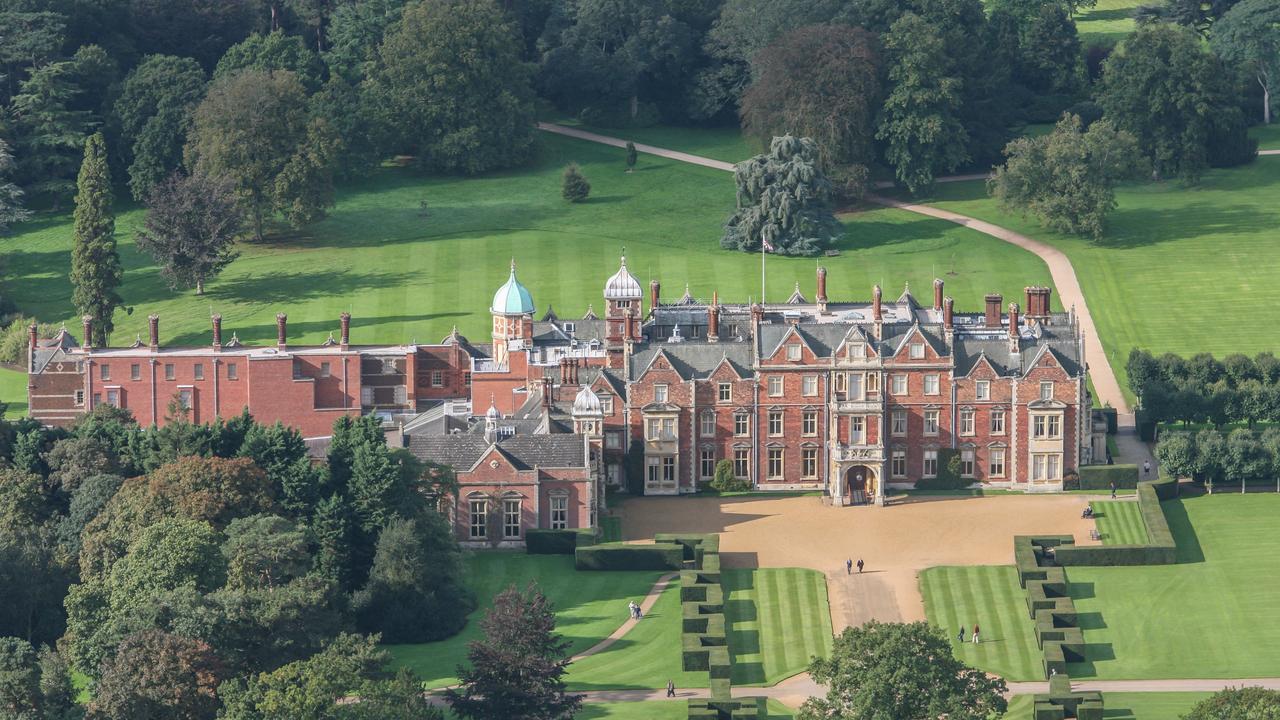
(1100, 477)
(948, 477)
(556, 542)
(13, 341)
(724, 480)
(573, 185)
(618, 556)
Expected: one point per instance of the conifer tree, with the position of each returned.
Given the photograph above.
(573, 185)
(783, 201)
(95, 264)
(50, 134)
(11, 210)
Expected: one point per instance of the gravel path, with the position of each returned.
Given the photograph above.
(645, 605)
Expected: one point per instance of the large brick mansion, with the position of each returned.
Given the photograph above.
(844, 397)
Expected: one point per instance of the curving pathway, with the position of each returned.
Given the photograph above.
(645, 605)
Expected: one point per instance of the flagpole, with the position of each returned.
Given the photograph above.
(763, 245)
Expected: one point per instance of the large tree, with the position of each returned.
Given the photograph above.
(1243, 703)
(818, 81)
(154, 112)
(517, 668)
(1067, 178)
(159, 676)
(34, 685)
(783, 202)
(1249, 36)
(50, 133)
(11, 209)
(191, 227)
(454, 88)
(896, 671)
(271, 52)
(1172, 94)
(919, 122)
(95, 263)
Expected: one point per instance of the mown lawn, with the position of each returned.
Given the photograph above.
(1107, 22)
(589, 606)
(778, 620)
(1177, 265)
(718, 143)
(1119, 523)
(13, 391)
(1268, 136)
(405, 276)
(958, 598)
(1124, 706)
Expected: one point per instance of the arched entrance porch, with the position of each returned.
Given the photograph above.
(861, 484)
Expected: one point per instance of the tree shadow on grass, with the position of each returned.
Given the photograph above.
(1143, 227)
(394, 225)
(871, 234)
(1102, 15)
(1184, 533)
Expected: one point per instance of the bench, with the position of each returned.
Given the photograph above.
(1094, 534)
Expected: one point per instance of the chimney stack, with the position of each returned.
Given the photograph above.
(1013, 321)
(1038, 303)
(822, 289)
(655, 292)
(994, 300)
(153, 323)
(948, 309)
(546, 392)
(217, 332)
(33, 339)
(575, 371)
(876, 313)
(564, 370)
(629, 321)
(344, 321)
(757, 315)
(937, 293)
(713, 319)
(86, 324)
(282, 337)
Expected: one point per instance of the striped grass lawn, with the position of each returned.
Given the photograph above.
(1119, 523)
(589, 606)
(1125, 706)
(988, 596)
(778, 619)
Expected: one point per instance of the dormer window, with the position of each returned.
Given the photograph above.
(570, 328)
(793, 352)
(917, 351)
(1046, 390)
(857, 351)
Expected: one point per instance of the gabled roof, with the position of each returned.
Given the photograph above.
(463, 451)
(694, 360)
(797, 297)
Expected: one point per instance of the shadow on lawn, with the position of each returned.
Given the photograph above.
(1142, 227)
(1093, 653)
(1184, 533)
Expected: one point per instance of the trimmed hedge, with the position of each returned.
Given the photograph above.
(1109, 414)
(1159, 550)
(1100, 477)
(557, 542)
(619, 556)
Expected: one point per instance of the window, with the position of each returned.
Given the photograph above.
(775, 386)
(479, 521)
(652, 428)
(854, 384)
(966, 422)
(899, 385)
(775, 424)
(995, 462)
(708, 428)
(840, 382)
(466, 378)
(232, 374)
(198, 371)
(613, 441)
(113, 398)
(724, 392)
(606, 404)
(809, 385)
(707, 463)
(388, 366)
(104, 371)
(809, 462)
(184, 398)
(966, 463)
(775, 463)
(559, 512)
(169, 372)
(660, 393)
(135, 372)
(1046, 466)
(1046, 390)
(661, 473)
(1046, 427)
(437, 376)
(857, 351)
(930, 422)
(917, 351)
(873, 383)
(793, 352)
(97, 399)
(741, 458)
(898, 418)
(809, 423)
(930, 468)
(997, 422)
(511, 518)
(982, 390)
(668, 472)
(79, 399)
(857, 430)
(931, 384)
(668, 428)
(570, 328)
(898, 464)
(741, 427)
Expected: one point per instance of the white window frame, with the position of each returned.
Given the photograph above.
(857, 430)
(932, 384)
(809, 463)
(898, 422)
(724, 392)
(809, 423)
(898, 464)
(793, 352)
(233, 373)
(741, 425)
(707, 424)
(135, 371)
(776, 423)
(966, 462)
(559, 512)
(1046, 389)
(932, 422)
(900, 385)
(706, 463)
(775, 386)
(857, 351)
(809, 385)
(478, 508)
(511, 530)
(660, 393)
(929, 464)
(741, 463)
(995, 462)
(437, 376)
(998, 419)
(104, 371)
(916, 351)
(968, 421)
(776, 465)
(982, 390)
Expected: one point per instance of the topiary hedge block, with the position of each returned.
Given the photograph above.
(720, 690)
(1045, 710)
(619, 556)
(1159, 550)
(702, 710)
(1100, 477)
(556, 542)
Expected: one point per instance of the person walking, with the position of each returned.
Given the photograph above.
(860, 564)
(1146, 469)
(975, 634)
(1113, 489)
(671, 688)
(960, 636)
(848, 566)
(634, 609)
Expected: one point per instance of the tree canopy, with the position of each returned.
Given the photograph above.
(783, 202)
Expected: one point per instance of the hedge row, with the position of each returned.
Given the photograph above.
(1100, 477)
(621, 556)
(1048, 604)
(557, 542)
(1061, 702)
(1159, 549)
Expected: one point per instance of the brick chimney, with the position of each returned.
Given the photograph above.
(655, 293)
(282, 335)
(564, 370)
(937, 293)
(822, 290)
(217, 332)
(153, 323)
(1038, 303)
(948, 309)
(1013, 328)
(344, 335)
(546, 392)
(994, 300)
(757, 315)
(33, 339)
(574, 371)
(876, 312)
(713, 319)
(86, 324)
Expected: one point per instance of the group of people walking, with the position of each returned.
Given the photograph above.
(636, 612)
(960, 636)
(848, 566)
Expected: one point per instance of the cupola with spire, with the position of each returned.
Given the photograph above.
(512, 310)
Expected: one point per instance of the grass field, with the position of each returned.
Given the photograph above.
(1120, 523)
(405, 277)
(1107, 22)
(718, 143)
(988, 596)
(1268, 137)
(13, 390)
(1175, 261)
(589, 606)
(778, 619)
(1125, 706)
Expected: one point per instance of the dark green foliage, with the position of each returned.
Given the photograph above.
(556, 542)
(783, 200)
(725, 481)
(154, 114)
(573, 185)
(33, 579)
(948, 475)
(1243, 703)
(271, 52)
(453, 87)
(89, 498)
(416, 591)
(11, 209)
(192, 28)
(158, 675)
(264, 551)
(1100, 477)
(1170, 388)
(73, 459)
(281, 452)
(51, 135)
(619, 556)
(517, 668)
(35, 685)
(192, 223)
(95, 264)
(304, 188)
(349, 110)
(1248, 36)
(331, 530)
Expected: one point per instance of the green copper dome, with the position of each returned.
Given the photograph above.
(512, 298)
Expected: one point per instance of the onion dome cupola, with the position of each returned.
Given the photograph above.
(512, 298)
(587, 404)
(623, 285)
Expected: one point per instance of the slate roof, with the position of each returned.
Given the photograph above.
(525, 451)
(694, 359)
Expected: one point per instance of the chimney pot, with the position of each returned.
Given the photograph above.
(153, 325)
(876, 311)
(822, 285)
(86, 323)
(937, 293)
(994, 300)
(713, 320)
(948, 310)
(1013, 321)
(33, 339)
(217, 332)
(282, 338)
(655, 293)
(344, 322)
